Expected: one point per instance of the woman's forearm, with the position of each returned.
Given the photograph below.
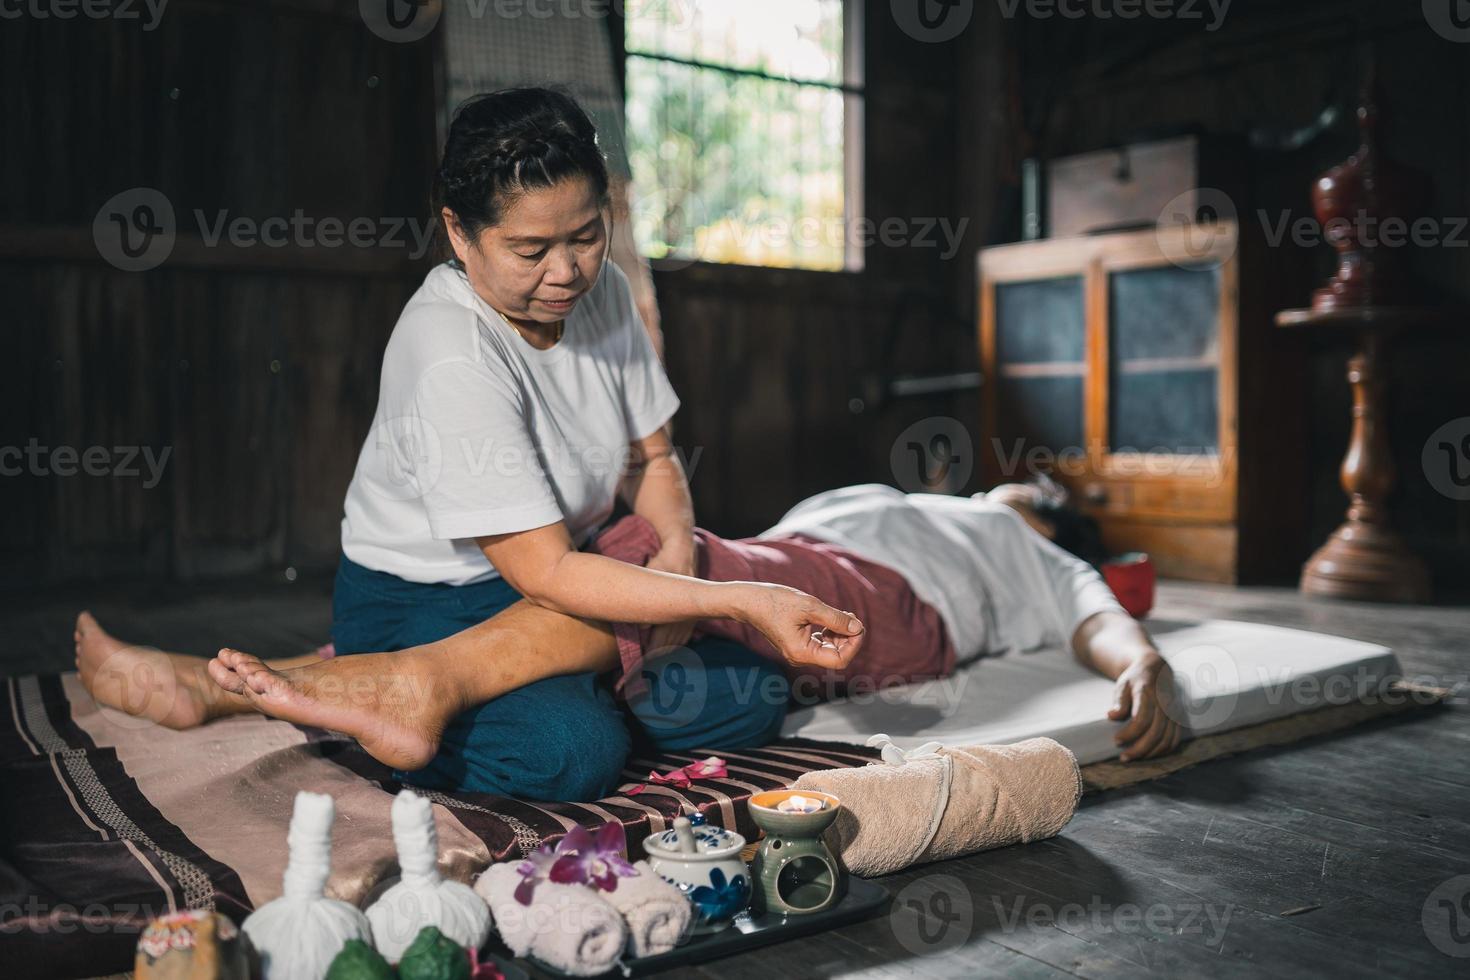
(1109, 642)
(658, 491)
(596, 587)
(541, 565)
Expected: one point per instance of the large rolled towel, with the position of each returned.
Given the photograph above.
(656, 912)
(934, 803)
(570, 927)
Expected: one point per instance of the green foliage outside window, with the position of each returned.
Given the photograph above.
(735, 130)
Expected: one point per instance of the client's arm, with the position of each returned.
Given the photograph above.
(1116, 646)
(1111, 642)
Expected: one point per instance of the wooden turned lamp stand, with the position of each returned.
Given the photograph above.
(1365, 558)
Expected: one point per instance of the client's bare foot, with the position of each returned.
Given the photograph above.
(167, 688)
(390, 703)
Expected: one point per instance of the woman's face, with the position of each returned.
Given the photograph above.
(542, 257)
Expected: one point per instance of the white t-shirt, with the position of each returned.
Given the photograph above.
(996, 583)
(477, 432)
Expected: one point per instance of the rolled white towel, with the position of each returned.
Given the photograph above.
(570, 927)
(932, 804)
(657, 913)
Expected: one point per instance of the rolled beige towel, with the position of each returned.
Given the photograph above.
(657, 913)
(569, 927)
(948, 802)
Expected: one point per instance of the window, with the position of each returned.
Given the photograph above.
(744, 130)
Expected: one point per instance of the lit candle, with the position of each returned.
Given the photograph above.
(800, 804)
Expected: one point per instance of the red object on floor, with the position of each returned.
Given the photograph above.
(1132, 579)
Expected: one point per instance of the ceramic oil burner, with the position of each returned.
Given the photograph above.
(794, 872)
(704, 863)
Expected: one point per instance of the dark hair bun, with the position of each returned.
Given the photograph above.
(507, 142)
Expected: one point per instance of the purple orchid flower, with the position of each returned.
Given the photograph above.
(578, 858)
(534, 869)
(596, 861)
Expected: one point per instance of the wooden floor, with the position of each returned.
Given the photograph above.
(1319, 859)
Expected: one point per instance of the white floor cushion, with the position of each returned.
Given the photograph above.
(1230, 675)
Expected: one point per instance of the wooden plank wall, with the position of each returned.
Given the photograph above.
(259, 374)
(775, 374)
(255, 368)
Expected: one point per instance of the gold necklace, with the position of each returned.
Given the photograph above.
(561, 326)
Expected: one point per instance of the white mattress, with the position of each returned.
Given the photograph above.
(1229, 675)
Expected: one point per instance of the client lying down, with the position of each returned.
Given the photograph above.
(933, 578)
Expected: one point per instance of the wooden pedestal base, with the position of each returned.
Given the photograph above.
(1365, 561)
(1365, 558)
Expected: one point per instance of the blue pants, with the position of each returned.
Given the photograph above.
(563, 738)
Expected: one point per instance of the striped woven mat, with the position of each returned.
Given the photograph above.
(106, 821)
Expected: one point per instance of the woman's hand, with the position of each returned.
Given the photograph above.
(1144, 693)
(676, 555)
(802, 628)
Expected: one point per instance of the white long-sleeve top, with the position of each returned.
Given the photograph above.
(997, 584)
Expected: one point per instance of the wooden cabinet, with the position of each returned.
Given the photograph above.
(1139, 371)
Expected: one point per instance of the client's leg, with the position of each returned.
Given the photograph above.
(171, 689)
(399, 705)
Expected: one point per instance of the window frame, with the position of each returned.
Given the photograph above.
(854, 103)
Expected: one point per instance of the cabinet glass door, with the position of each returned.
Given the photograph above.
(1040, 366)
(1164, 361)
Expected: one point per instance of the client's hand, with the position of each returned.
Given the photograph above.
(804, 629)
(1145, 694)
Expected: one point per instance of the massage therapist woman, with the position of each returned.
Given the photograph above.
(518, 381)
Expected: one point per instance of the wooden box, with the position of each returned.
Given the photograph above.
(1130, 186)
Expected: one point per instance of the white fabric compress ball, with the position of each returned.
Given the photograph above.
(298, 934)
(423, 897)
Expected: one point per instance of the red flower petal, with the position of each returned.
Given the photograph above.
(569, 870)
(524, 890)
(610, 838)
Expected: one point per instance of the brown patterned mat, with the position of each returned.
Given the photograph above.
(106, 822)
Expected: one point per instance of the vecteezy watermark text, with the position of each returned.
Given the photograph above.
(406, 21)
(1446, 458)
(1367, 230)
(1212, 12)
(136, 230)
(34, 459)
(1126, 461)
(409, 458)
(1158, 919)
(95, 918)
(150, 12)
(304, 231)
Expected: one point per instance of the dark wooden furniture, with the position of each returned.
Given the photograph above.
(1142, 374)
(1365, 558)
(1366, 295)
